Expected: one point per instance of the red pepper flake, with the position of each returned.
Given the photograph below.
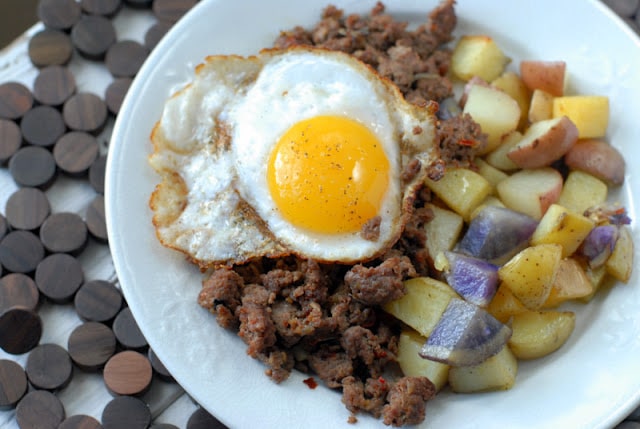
(310, 382)
(467, 142)
(381, 380)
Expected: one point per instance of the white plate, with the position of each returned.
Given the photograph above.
(593, 381)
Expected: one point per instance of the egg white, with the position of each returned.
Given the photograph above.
(217, 135)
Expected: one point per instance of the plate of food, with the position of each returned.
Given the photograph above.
(352, 214)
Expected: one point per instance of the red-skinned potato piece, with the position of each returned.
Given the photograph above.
(597, 158)
(548, 76)
(544, 142)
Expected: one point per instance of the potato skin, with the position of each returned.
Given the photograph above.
(544, 143)
(597, 158)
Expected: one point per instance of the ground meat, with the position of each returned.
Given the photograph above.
(221, 294)
(331, 365)
(407, 401)
(256, 326)
(369, 396)
(379, 284)
(460, 139)
(371, 230)
(415, 60)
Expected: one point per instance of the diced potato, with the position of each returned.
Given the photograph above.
(423, 304)
(443, 230)
(412, 365)
(461, 189)
(489, 172)
(496, 373)
(498, 158)
(504, 305)
(571, 283)
(531, 273)
(564, 227)
(596, 276)
(477, 55)
(541, 107)
(531, 191)
(513, 85)
(590, 113)
(620, 263)
(582, 190)
(539, 333)
(494, 110)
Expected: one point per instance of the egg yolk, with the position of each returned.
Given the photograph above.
(328, 174)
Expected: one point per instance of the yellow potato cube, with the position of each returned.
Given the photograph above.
(495, 111)
(561, 226)
(539, 333)
(423, 304)
(620, 263)
(582, 190)
(477, 55)
(541, 107)
(442, 230)
(590, 113)
(512, 84)
(489, 172)
(571, 283)
(504, 305)
(412, 365)
(530, 274)
(498, 157)
(596, 276)
(461, 189)
(496, 373)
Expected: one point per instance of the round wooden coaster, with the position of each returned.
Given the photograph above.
(42, 126)
(15, 100)
(85, 112)
(18, 290)
(172, 10)
(127, 331)
(139, 4)
(96, 221)
(115, 93)
(91, 345)
(155, 33)
(126, 412)
(106, 8)
(64, 232)
(158, 367)
(75, 151)
(49, 367)
(20, 330)
(33, 166)
(50, 48)
(27, 208)
(10, 139)
(40, 409)
(124, 58)
(59, 276)
(92, 36)
(58, 14)
(80, 421)
(202, 419)
(128, 373)
(13, 383)
(21, 252)
(54, 85)
(98, 301)
(96, 174)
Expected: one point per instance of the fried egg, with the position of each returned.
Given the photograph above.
(301, 151)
